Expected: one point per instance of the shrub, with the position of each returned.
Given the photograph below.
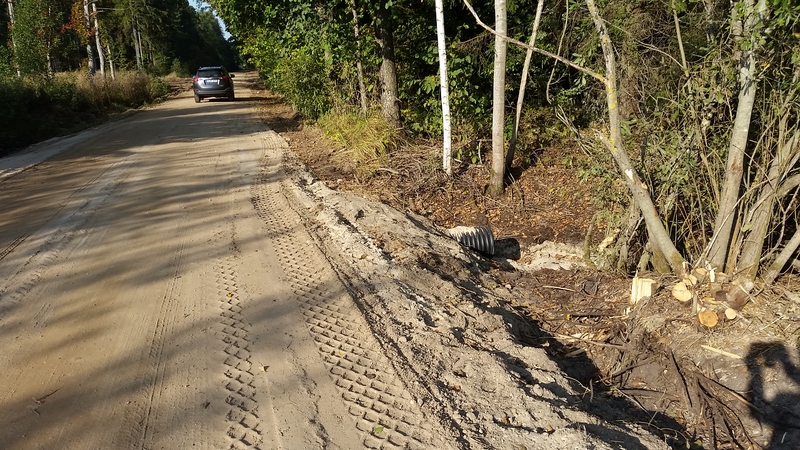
(302, 80)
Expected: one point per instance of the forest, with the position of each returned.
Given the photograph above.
(65, 65)
(686, 110)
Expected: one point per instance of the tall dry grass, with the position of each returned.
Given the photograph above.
(36, 108)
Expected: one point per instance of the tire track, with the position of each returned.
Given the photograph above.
(244, 428)
(385, 413)
(153, 381)
(11, 246)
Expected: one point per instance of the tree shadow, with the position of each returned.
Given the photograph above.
(777, 409)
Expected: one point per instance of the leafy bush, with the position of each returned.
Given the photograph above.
(302, 80)
(156, 88)
(180, 69)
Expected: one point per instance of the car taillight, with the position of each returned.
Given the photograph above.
(224, 78)
(195, 79)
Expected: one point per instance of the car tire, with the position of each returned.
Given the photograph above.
(197, 98)
(231, 97)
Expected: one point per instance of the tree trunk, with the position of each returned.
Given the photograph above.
(13, 40)
(731, 184)
(783, 257)
(89, 52)
(659, 237)
(498, 100)
(388, 72)
(512, 146)
(362, 90)
(657, 233)
(111, 63)
(765, 204)
(446, 144)
(137, 48)
(100, 53)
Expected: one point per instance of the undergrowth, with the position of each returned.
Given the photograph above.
(37, 108)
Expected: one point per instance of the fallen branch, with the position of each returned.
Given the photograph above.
(558, 58)
(721, 352)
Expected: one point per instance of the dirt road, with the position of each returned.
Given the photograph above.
(158, 291)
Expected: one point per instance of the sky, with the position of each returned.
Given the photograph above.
(201, 6)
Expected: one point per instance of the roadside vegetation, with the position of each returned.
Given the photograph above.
(685, 113)
(66, 65)
(38, 109)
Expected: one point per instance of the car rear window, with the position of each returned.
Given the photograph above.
(209, 73)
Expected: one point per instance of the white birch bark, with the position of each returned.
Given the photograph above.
(498, 100)
(89, 52)
(444, 86)
(13, 40)
(658, 234)
(99, 46)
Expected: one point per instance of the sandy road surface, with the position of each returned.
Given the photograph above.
(157, 291)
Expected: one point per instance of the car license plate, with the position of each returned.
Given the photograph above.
(212, 82)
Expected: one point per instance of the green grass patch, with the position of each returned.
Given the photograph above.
(367, 140)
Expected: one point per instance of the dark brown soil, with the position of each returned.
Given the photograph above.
(736, 385)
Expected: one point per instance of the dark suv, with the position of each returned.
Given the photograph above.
(212, 81)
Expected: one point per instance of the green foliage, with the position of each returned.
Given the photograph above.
(36, 34)
(301, 79)
(6, 63)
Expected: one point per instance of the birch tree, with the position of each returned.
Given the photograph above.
(98, 44)
(612, 139)
(499, 101)
(89, 32)
(440, 41)
(13, 39)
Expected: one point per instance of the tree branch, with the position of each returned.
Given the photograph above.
(561, 59)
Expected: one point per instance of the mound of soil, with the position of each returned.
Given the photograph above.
(734, 385)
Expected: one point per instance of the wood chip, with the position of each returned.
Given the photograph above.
(681, 292)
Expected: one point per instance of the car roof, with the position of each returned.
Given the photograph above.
(211, 67)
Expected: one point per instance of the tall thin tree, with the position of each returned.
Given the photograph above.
(499, 100)
(443, 84)
(512, 145)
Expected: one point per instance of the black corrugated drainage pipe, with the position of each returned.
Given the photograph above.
(476, 238)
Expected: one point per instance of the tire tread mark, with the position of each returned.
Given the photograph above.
(385, 413)
(243, 423)
(14, 244)
(152, 382)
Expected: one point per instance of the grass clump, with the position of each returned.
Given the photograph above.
(38, 108)
(367, 141)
